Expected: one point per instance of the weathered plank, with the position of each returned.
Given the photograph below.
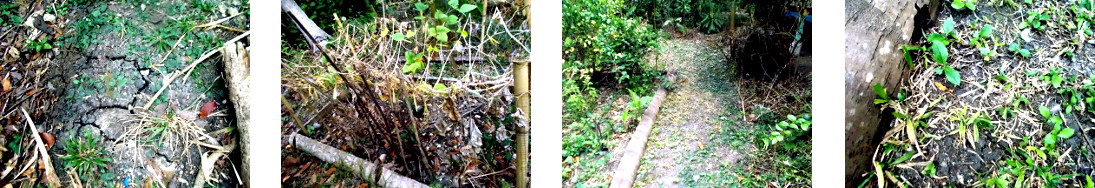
(875, 31)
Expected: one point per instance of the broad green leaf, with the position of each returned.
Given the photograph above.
(1056, 121)
(440, 16)
(939, 52)
(441, 30)
(1013, 47)
(1044, 111)
(454, 3)
(971, 6)
(466, 8)
(398, 37)
(881, 91)
(952, 75)
(421, 7)
(440, 87)
(452, 20)
(1066, 133)
(937, 37)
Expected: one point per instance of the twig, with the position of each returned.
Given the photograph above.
(170, 51)
(51, 176)
(218, 22)
(187, 70)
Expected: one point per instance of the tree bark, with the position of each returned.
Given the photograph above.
(875, 31)
(236, 64)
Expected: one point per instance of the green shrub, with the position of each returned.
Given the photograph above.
(706, 15)
(599, 38)
(789, 130)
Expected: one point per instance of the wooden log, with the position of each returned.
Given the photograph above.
(313, 33)
(875, 31)
(237, 66)
(624, 176)
(369, 171)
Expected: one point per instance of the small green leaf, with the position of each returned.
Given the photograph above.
(971, 6)
(1013, 47)
(421, 7)
(1050, 140)
(1044, 111)
(440, 87)
(952, 75)
(986, 31)
(1066, 133)
(466, 8)
(948, 26)
(1024, 52)
(454, 3)
(881, 91)
(398, 37)
(958, 4)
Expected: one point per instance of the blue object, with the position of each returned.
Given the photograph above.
(126, 182)
(809, 18)
(791, 14)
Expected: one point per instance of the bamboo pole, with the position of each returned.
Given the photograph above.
(521, 87)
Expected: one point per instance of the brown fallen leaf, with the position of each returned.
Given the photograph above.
(288, 161)
(701, 145)
(47, 138)
(328, 173)
(207, 109)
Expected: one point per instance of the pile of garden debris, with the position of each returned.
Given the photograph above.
(451, 121)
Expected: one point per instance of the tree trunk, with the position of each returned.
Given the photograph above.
(875, 31)
(363, 169)
(236, 64)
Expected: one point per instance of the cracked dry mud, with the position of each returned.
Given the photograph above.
(110, 113)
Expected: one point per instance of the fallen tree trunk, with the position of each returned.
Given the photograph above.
(363, 169)
(624, 175)
(236, 64)
(875, 31)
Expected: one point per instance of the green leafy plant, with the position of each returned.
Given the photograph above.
(1057, 133)
(86, 157)
(635, 106)
(940, 52)
(38, 45)
(9, 14)
(413, 62)
(1053, 77)
(883, 97)
(964, 4)
(1035, 20)
(969, 127)
(789, 129)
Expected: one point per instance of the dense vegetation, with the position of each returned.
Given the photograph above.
(603, 45)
